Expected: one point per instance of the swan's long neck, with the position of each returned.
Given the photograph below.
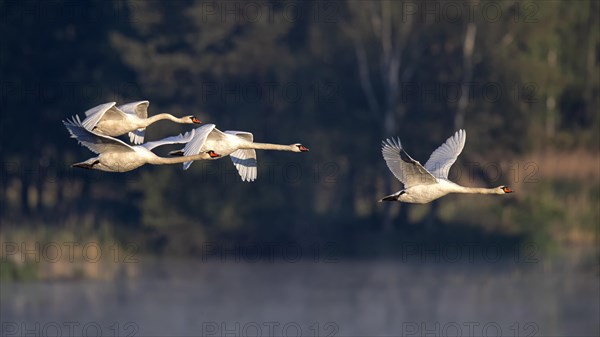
(159, 117)
(267, 146)
(474, 190)
(156, 160)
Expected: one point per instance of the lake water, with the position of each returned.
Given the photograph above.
(184, 297)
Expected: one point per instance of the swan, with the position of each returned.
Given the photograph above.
(116, 156)
(239, 145)
(425, 184)
(109, 120)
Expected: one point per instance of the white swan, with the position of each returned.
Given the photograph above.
(239, 145)
(117, 156)
(425, 184)
(109, 120)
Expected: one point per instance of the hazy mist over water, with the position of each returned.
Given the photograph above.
(384, 297)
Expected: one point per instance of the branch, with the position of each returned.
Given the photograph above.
(365, 78)
(468, 47)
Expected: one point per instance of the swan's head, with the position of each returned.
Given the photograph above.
(299, 148)
(191, 120)
(213, 154)
(504, 190)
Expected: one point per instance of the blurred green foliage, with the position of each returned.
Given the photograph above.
(10, 271)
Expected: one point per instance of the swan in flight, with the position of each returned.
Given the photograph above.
(109, 120)
(117, 156)
(425, 184)
(239, 145)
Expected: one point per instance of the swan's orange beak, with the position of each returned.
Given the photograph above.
(213, 154)
(303, 148)
(507, 190)
(196, 120)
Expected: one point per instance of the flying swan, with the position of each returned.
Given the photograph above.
(239, 145)
(117, 156)
(425, 184)
(109, 120)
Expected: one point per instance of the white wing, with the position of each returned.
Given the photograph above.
(106, 111)
(95, 142)
(444, 156)
(194, 146)
(244, 160)
(137, 136)
(179, 139)
(140, 110)
(242, 134)
(409, 171)
(99, 109)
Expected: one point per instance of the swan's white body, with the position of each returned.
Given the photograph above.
(425, 184)
(117, 156)
(239, 145)
(109, 120)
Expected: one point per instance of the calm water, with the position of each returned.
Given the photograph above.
(343, 298)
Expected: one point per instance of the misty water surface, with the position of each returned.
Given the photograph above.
(177, 297)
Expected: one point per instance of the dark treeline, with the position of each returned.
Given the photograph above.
(338, 76)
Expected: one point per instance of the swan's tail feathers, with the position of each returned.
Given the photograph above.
(393, 197)
(88, 164)
(389, 198)
(187, 165)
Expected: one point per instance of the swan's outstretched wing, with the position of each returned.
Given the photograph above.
(242, 134)
(244, 160)
(444, 156)
(409, 171)
(106, 111)
(140, 110)
(179, 139)
(95, 142)
(137, 136)
(194, 146)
